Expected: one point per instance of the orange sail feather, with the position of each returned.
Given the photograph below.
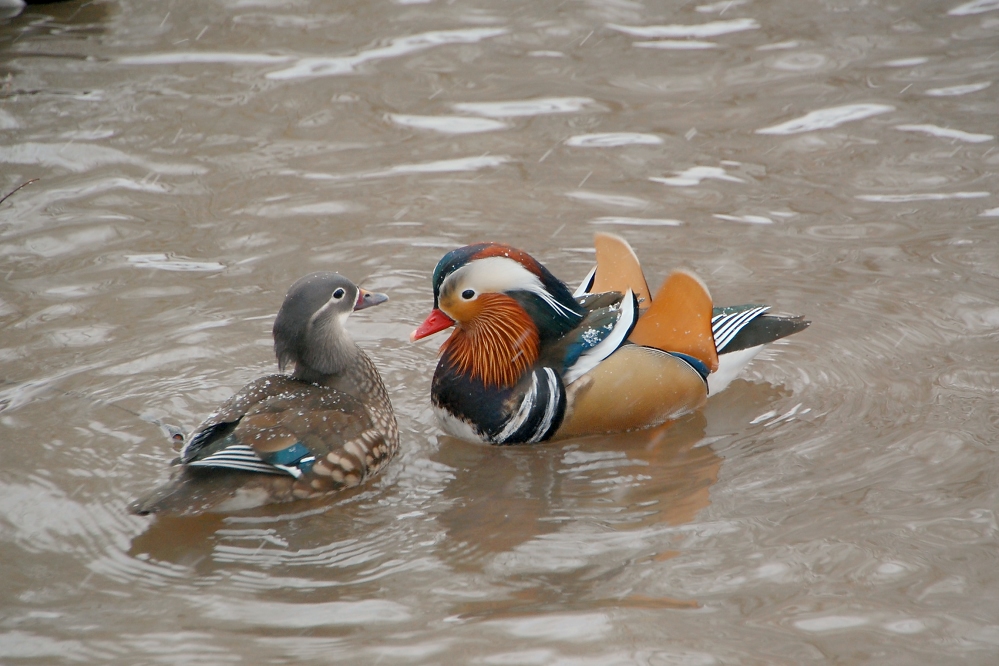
(679, 320)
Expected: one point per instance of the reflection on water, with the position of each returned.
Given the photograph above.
(833, 160)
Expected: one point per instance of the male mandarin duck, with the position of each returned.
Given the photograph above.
(328, 425)
(528, 360)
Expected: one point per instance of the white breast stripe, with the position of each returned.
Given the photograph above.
(726, 327)
(584, 286)
(523, 413)
(591, 357)
(550, 408)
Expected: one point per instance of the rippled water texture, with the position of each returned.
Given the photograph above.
(835, 159)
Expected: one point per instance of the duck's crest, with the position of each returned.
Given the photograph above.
(457, 258)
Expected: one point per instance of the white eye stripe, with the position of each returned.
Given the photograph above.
(500, 274)
(333, 301)
(492, 274)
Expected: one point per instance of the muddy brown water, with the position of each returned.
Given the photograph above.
(834, 159)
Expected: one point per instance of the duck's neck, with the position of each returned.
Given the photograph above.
(357, 377)
(497, 346)
(328, 352)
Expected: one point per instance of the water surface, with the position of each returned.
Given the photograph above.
(836, 159)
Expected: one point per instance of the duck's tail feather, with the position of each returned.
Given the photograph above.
(195, 491)
(744, 326)
(681, 318)
(741, 332)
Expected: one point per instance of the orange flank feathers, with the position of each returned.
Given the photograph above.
(618, 269)
(679, 320)
(635, 387)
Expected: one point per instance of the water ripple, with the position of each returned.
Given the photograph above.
(712, 29)
(557, 627)
(827, 118)
(720, 7)
(954, 91)
(946, 133)
(749, 219)
(527, 107)
(694, 175)
(168, 262)
(615, 200)
(637, 221)
(203, 57)
(613, 140)
(305, 615)
(83, 157)
(7, 121)
(922, 196)
(831, 622)
(448, 124)
(307, 68)
(677, 45)
(974, 7)
(907, 62)
(456, 165)
(18, 645)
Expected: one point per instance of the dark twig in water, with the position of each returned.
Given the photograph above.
(16, 189)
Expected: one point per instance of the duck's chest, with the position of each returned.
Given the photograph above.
(529, 411)
(468, 408)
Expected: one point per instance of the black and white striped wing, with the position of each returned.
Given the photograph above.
(239, 457)
(726, 323)
(540, 413)
(587, 284)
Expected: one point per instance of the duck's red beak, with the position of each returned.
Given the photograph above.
(435, 321)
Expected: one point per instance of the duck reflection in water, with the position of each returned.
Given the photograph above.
(539, 514)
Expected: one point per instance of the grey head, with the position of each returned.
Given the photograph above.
(308, 331)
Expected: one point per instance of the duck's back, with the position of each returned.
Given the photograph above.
(280, 439)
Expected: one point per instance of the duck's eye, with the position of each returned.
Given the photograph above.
(468, 294)
(338, 294)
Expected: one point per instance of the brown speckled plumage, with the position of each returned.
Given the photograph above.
(298, 436)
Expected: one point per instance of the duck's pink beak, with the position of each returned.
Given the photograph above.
(365, 299)
(436, 321)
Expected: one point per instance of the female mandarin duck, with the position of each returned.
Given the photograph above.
(327, 426)
(529, 361)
